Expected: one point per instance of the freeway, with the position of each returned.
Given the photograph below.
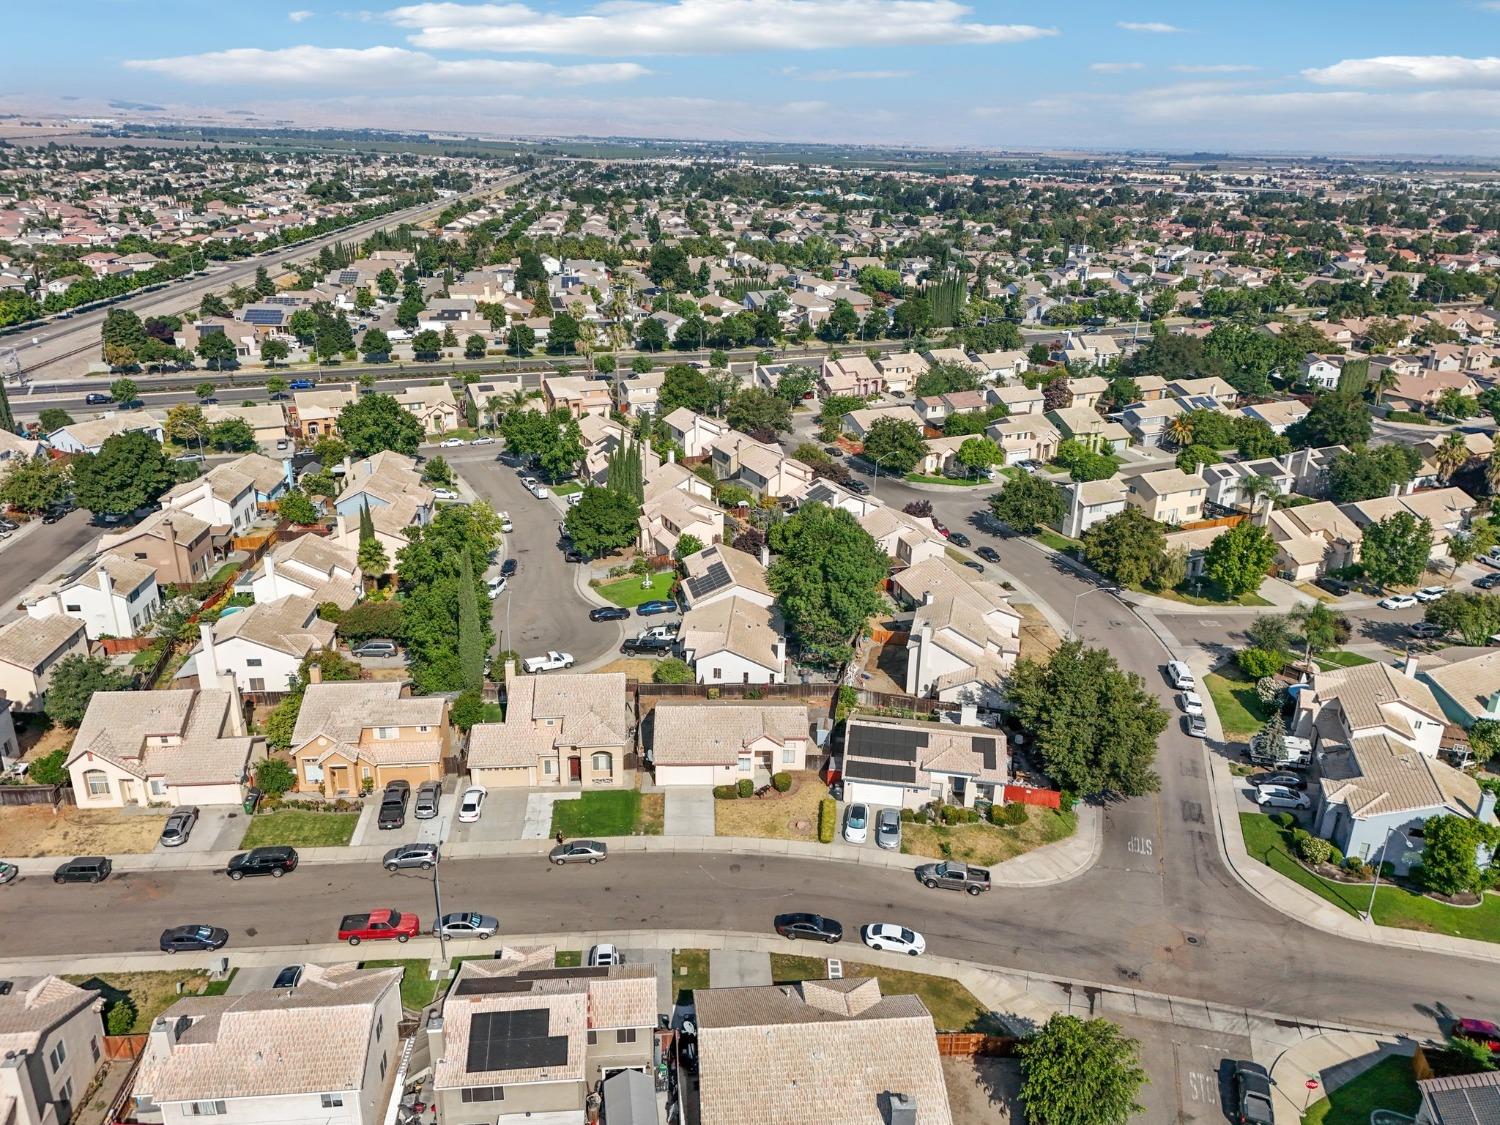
(68, 346)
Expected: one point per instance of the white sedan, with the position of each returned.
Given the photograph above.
(1397, 601)
(897, 939)
(1190, 702)
(1281, 797)
(1431, 593)
(444, 494)
(483, 441)
(449, 443)
(472, 803)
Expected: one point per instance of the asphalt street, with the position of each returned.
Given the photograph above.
(36, 552)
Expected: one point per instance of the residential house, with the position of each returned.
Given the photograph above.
(267, 421)
(354, 737)
(1322, 370)
(577, 394)
(1371, 700)
(178, 546)
(1074, 423)
(307, 567)
(1017, 399)
(1280, 416)
(565, 728)
(719, 743)
(1004, 367)
(183, 746)
(638, 394)
(14, 447)
(857, 423)
(386, 480)
(30, 649)
(1211, 386)
(1086, 391)
(433, 405)
(261, 646)
(1467, 690)
(327, 1051)
(906, 539)
(696, 434)
(851, 375)
(837, 1052)
(734, 641)
(1478, 445)
(1422, 390)
(906, 763)
(1465, 1099)
(933, 410)
(1314, 539)
(899, 371)
(90, 435)
(496, 395)
(51, 1047)
(721, 571)
(670, 513)
(1446, 509)
(1091, 502)
(1150, 423)
(113, 596)
(766, 471)
(964, 636)
(1029, 437)
(314, 414)
(223, 498)
(1168, 495)
(518, 1041)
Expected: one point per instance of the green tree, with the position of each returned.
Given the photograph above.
(34, 484)
(75, 679)
(474, 346)
(185, 423)
(1193, 456)
(217, 348)
(470, 636)
(129, 471)
(49, 769)
(1366, 473)
(430, 571)
(233, 435)
(1333, 419)
(437, 471)
(53, 419)
(673, 671)
(276, 386)
(1450, 863)
(1238, 560)
(684, 386)
(894, 444)
(1083, 463)
(602, 521)
(122, 336)
(1473, 617)
(522, 339)
(376, 345)
(977, 454)
(1395, 550)
(1080, 1072)
(757, 411)
(946, 378)
(387, 283)
(1255, 439)
(427, 343)
(274, 776)
(687, 545)
(124, 391)
(1125, 547)
(1095, 725)
(832, 412)
(376, 422)
(794, 384)
(295, 506)
(826, 577)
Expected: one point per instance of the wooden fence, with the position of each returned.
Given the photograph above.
(970, 1043)
(113, 646)
(882, 636)
(124, 1046)
(1026, 795)
(54, 795)
(643, 691)
(1218, 521)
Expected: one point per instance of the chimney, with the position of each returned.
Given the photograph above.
(208, 664)
(341, 527)
(347, 466)
(164, 1034)
(1486, 811)
(271, 576)
(968, 714)
(1410, 667)
(765, 555)
(672, 455)
(901, 1109)
(926, 597)
(1492, 707)
(435, 1042)
(315, 673)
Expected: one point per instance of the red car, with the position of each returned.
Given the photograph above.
(378, 925)
(1481, 1031)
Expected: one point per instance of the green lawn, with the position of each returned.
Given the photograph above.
(1057, 542)
(300, 829)
(612, 812)
(629, 592)
(1336, 659)
(689, 971)
(1386, 1085)
(220, 987)
(1241, 712)
(418, 989)
(1207, 594)
(920, 478)
(567, 488)
(568, 958)
(953, 1007)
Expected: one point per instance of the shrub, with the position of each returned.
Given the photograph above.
(746, 787)
(1267, 688)
(274, 776)
(120, 1017)
(1066, 801)
(726, 792)
(828, 816)
(1313, 850)
(907, 816)
(782, 781)
(1013, 815)
(48, 769)
(1298, 836)
(1283, 819)
(1259, 662)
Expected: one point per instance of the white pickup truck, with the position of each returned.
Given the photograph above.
(548, 663)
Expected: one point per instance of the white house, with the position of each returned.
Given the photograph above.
(964, 637)
(718, 743)
(1091, 502)
(52, 1049)
(722, 571)
(114, 597)
(903, 764)
(87, 436)
(734, 641)
(223, 498)
(30, 649)
(310, 567)
(262, 646)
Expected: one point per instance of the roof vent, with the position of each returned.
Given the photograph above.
(901, 1109)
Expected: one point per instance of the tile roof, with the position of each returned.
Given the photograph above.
(1469, 1099)
(690, 733)
(1471, 683)
(1377, 775)
(33, 1007)
(124, 574)
(1364, 695)
(29, 642)
(290, 625)
(343, 711)
(734, 625)
(197, 722)
(554, 712)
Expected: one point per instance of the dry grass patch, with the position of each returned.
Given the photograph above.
(985, 844)
(34, 830)
(953, 1007)
(152, 993)
(1039, 640)
(653, 814)
(633, 667)
(792, 815)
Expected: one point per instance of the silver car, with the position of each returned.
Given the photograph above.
(179, 826)
(429, 796)
(888, 829)
(466, 924)
(410, 855)
(579, 851)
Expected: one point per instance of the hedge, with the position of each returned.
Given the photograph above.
(782, 781)
(726, 792)
(746, 787)
(1013, 814)
(828, 819)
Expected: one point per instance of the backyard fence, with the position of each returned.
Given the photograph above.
(1026, 795)
(113, 646)
(970, 1043)
(124, 1046)
(53, 795)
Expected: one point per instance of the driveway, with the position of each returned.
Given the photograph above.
(219, 829)
(731, 968)
(689, 811)
(502, 818)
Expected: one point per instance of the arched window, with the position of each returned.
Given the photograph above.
(97, 783)
(603, 762)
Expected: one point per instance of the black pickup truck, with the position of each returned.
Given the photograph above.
(954, 877)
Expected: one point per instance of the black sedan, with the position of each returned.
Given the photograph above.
(655, 606)
(1290, 780)
(988, 554)
(814, 927)
(972, 565)
(609, 613)
(180, 938)
(1487, 581)
(958, 539)
(1252, 1094)
(508, 568)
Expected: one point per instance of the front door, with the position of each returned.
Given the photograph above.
(575, 769)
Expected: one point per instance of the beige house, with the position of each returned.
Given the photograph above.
(835, 1052)
(186, 746)
(433, 406)
(671, 514)
(50, 1035)
(29, 650)
(559, 729)
(176, 545)
(719, 743)
(734, 641)
(1313, 539)
(315, 414)
(1168, 495)
(267, 421)
(722, 571)
(965, 637)
(355, 737)
(576, 394)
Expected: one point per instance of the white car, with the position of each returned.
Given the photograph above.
(497, 586)
(857, 824)
(444, 494)
(604, 955)
(528, 483)
(575, 499)
(449, 443)
(1181, 675)
(1191, 703)
(541, 491)
(548, 663)
(1431, 593)
(483, 441)
(471, 804)
(898, 939)
(1280, 797)
(1397, 601)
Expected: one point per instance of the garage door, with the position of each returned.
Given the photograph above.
(412, 775)
(685, 775)
(869, 793)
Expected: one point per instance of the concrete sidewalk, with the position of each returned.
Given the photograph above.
(1320, 1064)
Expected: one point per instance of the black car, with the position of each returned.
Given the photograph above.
(988, 554)
(1252, 1094)
(572, 556)
(1487, 581)
(84, 869)
(972, 565)
(1290, 780)
(646, 646)
(609, 613)
(272, 861)
(814, 927)
(193, 938)
(96, 399)
(508, 568)
(655, 606)
(858, 486)
(52, 515)
(958, 539)
(393, 805)
(1335, 586)
(512, 460)
(289, 977)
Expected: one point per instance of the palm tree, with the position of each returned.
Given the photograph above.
(1259, 488)
(1381, 381)
(1451, 455)
(1180, 431)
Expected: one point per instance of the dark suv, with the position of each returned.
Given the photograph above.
(84, 869)
(393, 805)
(275, 862)
(1252, 1094)
(647, 646)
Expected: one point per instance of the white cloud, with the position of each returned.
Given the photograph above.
(855, 75)
(1150, 26)
(685, 27)
(1409, 70)
(1115, 67)
(372, 67)
(1215, 68)
(299, 16)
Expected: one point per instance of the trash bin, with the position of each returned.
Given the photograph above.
(252, 799)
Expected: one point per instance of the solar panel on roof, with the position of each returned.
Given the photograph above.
(349, 277)
(513, 1041)
(716, 577)
(491, 986)
(986, 747)
(562, 974)
(264, 316)
(892, 743)
(857, 770)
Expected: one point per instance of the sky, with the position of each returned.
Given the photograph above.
(1315, 76)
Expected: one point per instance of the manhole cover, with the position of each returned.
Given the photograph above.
(1193, 939)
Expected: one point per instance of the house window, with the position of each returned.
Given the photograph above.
(593, 1038)
(58, 1055)
(603, 762)
(332, 1101)
(379, 1027)
(257, 684)
(718, 673)
(364, 772)
(216, 1109)
(313, 773)
(94, 1048)
(252, 662)
(483, 1094)
(158, 787)
(625, 1035)
(549, 767)
(745, 761)
(788, 756)
(97, 783)
(65, 1093)
(423, 728)
(140, 556)
(73, 608)
(385, 732)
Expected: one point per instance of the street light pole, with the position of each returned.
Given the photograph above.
(437, 899)
(1073, 624)
(1375, 886)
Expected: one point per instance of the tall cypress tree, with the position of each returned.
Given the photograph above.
(7, 422)
(366, 525)
(470, 638)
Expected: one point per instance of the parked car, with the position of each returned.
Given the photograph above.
(655, 606)
(483, 441)
(466, 924)
(444, 494)
(550, 662)
(954, 876)
(857, 824)
(512, 460)
(1181, 676)
(1488, 560)
(1487, 581)
(647, 646)
(273, 861)
(667, 631)
(97, 399)
(52, 515)
(429, 797)
(888, 829)
(84, 869)
(988, 554)
(1480, 1031)
(813, 927)
(858, 486)
(1431, 593)
(289, 977)
(1426, 630)
(410, 855)
(972, 565)
(609, 613)
(1289, 780)
(1280, 797)
(579, 851)
(1397, 601)
(369, 649)
(958, 539)
(603, 955)
(378, 925)
(179, 826)
(1252, 1094)
(1197, 726)
(451, 443)
(178, 938)
(393, 806)
(1190, 702)
(496, 586)
(540, 491)
(508, 568)
(8, 872)
(471, 804)
(896, 938)
(941, 530)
